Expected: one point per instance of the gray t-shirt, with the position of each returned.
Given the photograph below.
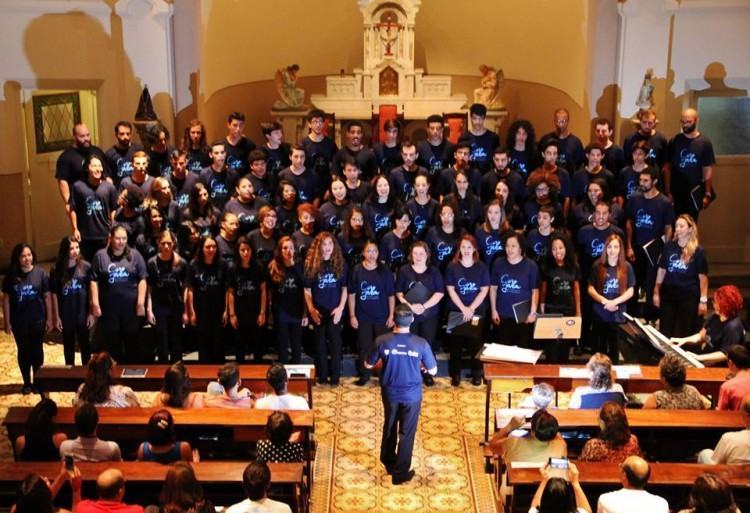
(86, 448)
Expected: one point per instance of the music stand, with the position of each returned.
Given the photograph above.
(561, 328)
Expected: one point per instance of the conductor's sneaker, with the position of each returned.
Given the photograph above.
(405, 478)
(429, 380)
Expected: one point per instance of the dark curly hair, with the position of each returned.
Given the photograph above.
(672, 370)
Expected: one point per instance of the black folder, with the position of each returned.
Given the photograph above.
(417, 293)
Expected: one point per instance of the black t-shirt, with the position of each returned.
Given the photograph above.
(181, 188)
(516, 184)
(118, 279)
(120, 162)
(245, 284)
(306, 184)
(332, 216)
(387, 157)
(144, 186)
(208, 283)
(482, 148)
(237, 155)
(523, 162)
(318, 155)
(423, 216)
(657, 144)
(435, 158)
(220, 185)
(287, 221)
(134, 225)
(262, 248)
(614, 159)
(570, 154)
(688, 158)
(69, 165)
(302, 242)
(73, 295)
(365, 158)
(225, 249)
(158, 162)
(288, 296)
(146, 246)
(277, 159)
(26, 297)
(197, 160)
(165, 280)
(560, 283)
(93, 207)
(723, 335)
(247, 213)
(264, 187)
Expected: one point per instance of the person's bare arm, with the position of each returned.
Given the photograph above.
(64, 187)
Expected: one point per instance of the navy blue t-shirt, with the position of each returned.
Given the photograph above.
(614, 159)
(688, 158)
(332, 216)
(490, 244)
(423, 216)
(610, 289)
(245, 283)
(118, 279)
(538, 244)
(394, 250)
(649, 216)
(208, 283)
(158, 162)
(379, 216)
(276, 158)
(516, 184)
(120, 162)
(263, 248)
(582, 177)
(591, 240)
(570, 154)
(388, 158)
(628, 182)
(443, 245)
(326, 287)
(657, 143)
(515, 283)
(289, 296)
(264, 187)
(73, 296)
(402, 182)
(181, 188)
(247, 213)
(319, 154)
(371, 289)
(403, 356)
(220, 185)
(431, 279)
(197, 159)
(365, 159)
(306, 184)
(26, 298)
(680, 275)
(93, 207)
(467, 281)
(237, 155)
(522, 162)
(482, 148)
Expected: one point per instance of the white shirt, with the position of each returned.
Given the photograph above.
(631, 501)
(85, 448)
(733, 448)
(262, 506)
(282, 402)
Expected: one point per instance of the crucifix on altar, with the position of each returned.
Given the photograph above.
(388, 30)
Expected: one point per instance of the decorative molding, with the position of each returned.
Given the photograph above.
(712, 5)
(94, 7)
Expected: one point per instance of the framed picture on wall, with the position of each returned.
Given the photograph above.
(55, 115)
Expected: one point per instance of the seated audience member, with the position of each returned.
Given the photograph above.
(182, 492)
(560, 495)
(100, 389)
(732, 391)
(227, 392)
(277, 448)
(40, 440)
(711, 494)
(87, 446)
(602, 380)
(110, 487)
(615, 441)
(161, 445)
(543, 441)
(256, 480)
(722, 329)
(175, 393)
(733, 447)
(677, 395)
(281, 399)
(35, 494)
(632, 496)
(542, 397)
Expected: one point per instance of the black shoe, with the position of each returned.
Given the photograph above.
(476, 381)
(334, 383)
(456, 381)
(35, 390)
(429, 381)
(26, 390)
(388, 470)
(362, 381)
(397, 480)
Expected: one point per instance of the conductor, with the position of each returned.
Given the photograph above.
(405, 356)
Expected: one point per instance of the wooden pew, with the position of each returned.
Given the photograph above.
(707, 380)
(663, 434)
(221, 480)
(65, 378)
(669, 480)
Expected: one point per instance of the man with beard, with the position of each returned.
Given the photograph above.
(501, 170)
(69, 167)
(402, 177)
(549, 151)
(436, 153)
(657, 143)
(120, 156)
(614, 158)
(446, 181)
(688, 172)
(353, 147)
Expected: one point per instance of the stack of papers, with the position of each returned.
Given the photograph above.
(500, 352)
(622, 372)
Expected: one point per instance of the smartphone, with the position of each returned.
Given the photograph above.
(69, 466)
(559, 463)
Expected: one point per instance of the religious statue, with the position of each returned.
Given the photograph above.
(491, 85)
(388, 29)
(292, 97)
(645, 96)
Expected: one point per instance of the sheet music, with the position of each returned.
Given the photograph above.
(510, 353)
(575, 372)
(625, 371)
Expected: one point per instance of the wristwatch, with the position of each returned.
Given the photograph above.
(703, 300)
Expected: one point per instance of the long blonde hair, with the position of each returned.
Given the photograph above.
(692, 244)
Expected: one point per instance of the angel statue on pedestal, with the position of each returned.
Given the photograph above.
(292, 97)
(645, 96)
(491, 85)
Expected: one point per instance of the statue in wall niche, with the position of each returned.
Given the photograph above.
(646, 95)
(491, 84)
(292, 97)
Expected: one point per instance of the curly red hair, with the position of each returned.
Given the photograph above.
(728, 300)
